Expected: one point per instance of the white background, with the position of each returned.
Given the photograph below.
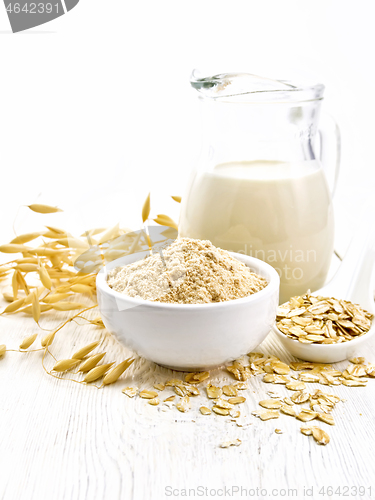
(96, 107)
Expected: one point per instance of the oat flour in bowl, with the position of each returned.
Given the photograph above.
(187, 272)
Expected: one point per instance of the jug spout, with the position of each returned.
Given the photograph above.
(247, 87)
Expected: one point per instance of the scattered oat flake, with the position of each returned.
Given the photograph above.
(220, 411)
(223, 403)
(173, 382)
(357, 361)
(204, 410)
(305, 415)
(153, 401)
(278, 431)
(295, 386)
(239, 371)
(271, 404)
(234, 413)
(213, 392)
(320, 436)
(275, 379)
(288, 401)
(240, 386)
(230, 390)
(300, 397)
(184, 404)
(237, 400)
(273, 394)
(192, 390)
(171, 398)
(130, 391)
(148, 394)
(354, 383)
(326, 418)
(288, 410)
(159, 387)
(358, 370)
(280, 368)
(196, 378)
(308, 377)
(266, 414)
(234, 442)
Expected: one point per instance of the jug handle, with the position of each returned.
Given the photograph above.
(330, 149)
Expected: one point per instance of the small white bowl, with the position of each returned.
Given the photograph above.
(325, 353)
(190, 337)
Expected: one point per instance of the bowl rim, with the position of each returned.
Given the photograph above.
(356, 341)
(273, 284)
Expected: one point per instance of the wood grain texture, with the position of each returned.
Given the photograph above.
(62, 440)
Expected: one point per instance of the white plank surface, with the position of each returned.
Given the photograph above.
(62, 440)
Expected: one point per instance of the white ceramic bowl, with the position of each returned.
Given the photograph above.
(190, 337)
(325, 353)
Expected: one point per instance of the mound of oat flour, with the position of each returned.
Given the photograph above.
(187, 272)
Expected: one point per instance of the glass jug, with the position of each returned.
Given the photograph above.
(259, 187)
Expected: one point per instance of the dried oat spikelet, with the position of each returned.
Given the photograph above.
(48, 339)
(44, 277)
(146, 209)
(43, 209)
(27, 268)
(22, 283)
(67, 306)
(164, 220)
(43, 308)
(14, 248)
(56, 297)
(25, 238)
(90, 363)
(14, 306)
(110, 234)
(97, 372)
(56, 230)
(116, 372)
(176, 198)
(15, 285)
(97, 322)
(64, 365)
(85, 350)
(2, 349)
(35, 307)
(28, 341)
